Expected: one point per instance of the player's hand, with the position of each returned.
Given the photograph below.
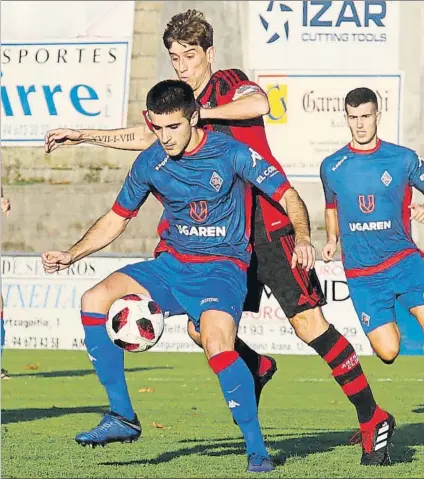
(59, 137)
(329, 251)
(54, 261)
(5, 206)
(417, 212)
(304, 254)
(204, 113)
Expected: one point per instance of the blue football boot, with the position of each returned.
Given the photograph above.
(112, 428)
(258, 463)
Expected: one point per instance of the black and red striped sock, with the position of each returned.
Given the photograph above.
(339, 354)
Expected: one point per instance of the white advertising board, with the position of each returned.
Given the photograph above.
(322, 35)
(43, 311)
(306, 122)
(63, 70)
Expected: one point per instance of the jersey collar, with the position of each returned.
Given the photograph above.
(199, 146)
(365, 152)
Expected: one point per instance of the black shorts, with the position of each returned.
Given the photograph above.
(295, 289)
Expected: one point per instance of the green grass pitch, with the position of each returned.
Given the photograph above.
(305, 417)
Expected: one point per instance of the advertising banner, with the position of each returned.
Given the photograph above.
(360, 35)
(43, 311)
(63, 64)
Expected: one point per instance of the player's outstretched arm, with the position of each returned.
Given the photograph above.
(333, 234)
(136, 138)
(105, 230)
(238, 99)
(304, 252)
(246, 107)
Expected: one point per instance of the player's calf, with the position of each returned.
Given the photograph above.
(107, 359)
(217, 334)
(376, 425)
(262, 367)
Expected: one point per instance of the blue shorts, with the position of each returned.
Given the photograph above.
(191, 288)
(374, 296)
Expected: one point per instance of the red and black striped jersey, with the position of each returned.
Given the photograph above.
(224, 87)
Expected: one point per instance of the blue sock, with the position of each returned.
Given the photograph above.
(108, 361)
(239, 391)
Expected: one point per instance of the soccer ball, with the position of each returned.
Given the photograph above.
(135, 323)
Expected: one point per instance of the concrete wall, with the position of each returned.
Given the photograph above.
(55, 198)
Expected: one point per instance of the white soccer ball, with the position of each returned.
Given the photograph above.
(135, 323)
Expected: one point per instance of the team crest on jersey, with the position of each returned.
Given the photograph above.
(216, 181)
(365, 319)
(199, 211)
(386, 178)
(366, 205)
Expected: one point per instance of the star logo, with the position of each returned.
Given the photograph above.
(281, 28)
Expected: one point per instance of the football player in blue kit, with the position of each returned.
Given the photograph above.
(201, 261)
(368, 190)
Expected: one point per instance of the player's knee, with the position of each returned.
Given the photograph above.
(92, 298)
(214, 345)
(300, 324)
(388, 356)
(309, 324)
(217, 332)
(215, 342)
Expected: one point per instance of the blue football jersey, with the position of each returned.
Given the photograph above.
(372, 191)
(203, 195)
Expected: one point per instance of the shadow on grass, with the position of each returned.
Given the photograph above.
(9, 416)
(78, 372)
(405, 438)
(419, 409)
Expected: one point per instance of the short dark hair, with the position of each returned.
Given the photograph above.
(189, 27)
(169, 96)
(359, 96)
